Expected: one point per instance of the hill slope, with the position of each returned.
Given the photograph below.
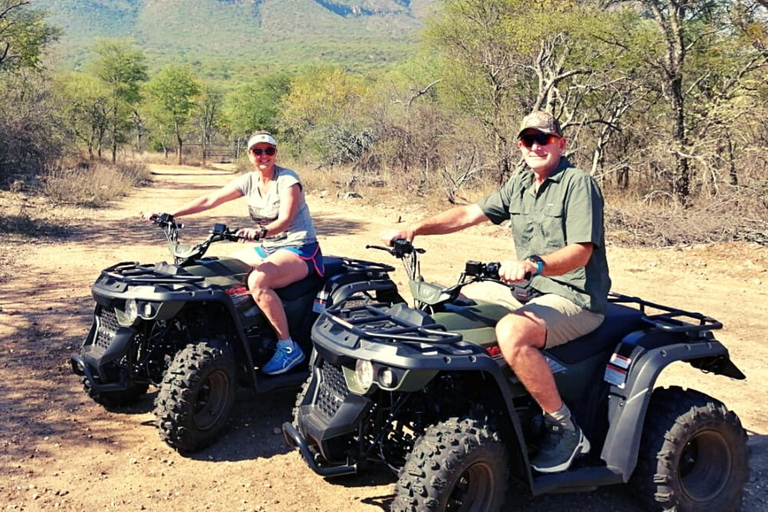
(356, 33)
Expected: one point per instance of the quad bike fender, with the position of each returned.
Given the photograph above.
(628, 401)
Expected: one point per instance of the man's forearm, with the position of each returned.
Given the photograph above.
(566, 258)
(450, 221)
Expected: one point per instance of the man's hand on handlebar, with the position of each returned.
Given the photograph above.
(388, 236)
(150, 216)
(516, 271)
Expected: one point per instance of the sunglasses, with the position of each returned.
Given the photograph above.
(542, 139)
(266, 151)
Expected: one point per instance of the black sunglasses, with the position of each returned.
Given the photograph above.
(266, 151)
(542, 139)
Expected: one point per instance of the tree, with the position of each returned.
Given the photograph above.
(23, 34)
(209, 115)
(319, 112)
(505, 58)
(85, 104)
(121, 68)
(700, 59)
(255, 105)
(172, 95)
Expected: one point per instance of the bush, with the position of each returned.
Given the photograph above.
(93, 183)
(30, 135)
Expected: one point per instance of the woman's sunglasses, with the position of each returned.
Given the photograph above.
(266, 151)
(542, 139)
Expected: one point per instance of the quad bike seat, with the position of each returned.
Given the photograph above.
(311, 284)
(619, 321)
(476, 321)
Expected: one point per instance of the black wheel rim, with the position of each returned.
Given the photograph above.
(705, 466)
(473, 490)
(211, 399)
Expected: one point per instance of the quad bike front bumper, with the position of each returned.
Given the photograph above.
(294, 438)
(106, 344)
(328, 422)
(80, 367)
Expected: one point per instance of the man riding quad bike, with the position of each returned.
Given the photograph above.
(425, 390)
(191, 329)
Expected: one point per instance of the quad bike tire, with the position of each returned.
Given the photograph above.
(196, 396)
(459, 465)
(693, 454)
(115, 399)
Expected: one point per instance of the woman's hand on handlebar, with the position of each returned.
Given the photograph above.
(516, 270)
(251, 234)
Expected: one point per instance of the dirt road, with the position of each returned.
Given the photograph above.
(58, 450)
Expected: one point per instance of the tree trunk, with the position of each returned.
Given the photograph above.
(681, 181)
(205, 148)
(733, 178)
(179, 145)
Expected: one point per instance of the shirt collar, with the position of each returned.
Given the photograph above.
(555, 175)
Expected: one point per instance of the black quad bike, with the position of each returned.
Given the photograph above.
(192, 329)
(425, 390)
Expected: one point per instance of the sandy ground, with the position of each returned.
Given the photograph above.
(60, 450)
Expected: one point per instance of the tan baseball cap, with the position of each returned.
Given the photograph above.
(541, 121)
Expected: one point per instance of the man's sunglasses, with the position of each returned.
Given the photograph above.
(542, 139)
(266, 151)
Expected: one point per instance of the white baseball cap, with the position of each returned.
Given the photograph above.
(261, 138)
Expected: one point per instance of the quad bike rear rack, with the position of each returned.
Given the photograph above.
(669, 319)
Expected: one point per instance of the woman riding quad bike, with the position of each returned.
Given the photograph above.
(192, 329)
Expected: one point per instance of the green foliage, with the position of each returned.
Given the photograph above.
(172, 95)
(23, 35)
(120, 66)
(84, 101)
(172, 99)
(255, 105)
(324, 105)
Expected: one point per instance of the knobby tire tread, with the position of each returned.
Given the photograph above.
(174, 405)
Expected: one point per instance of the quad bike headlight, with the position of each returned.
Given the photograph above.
(386, 377)
(147, 310)
(364, 373)
(131, 312)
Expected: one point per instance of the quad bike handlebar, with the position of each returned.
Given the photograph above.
(184, 254)
(474, 271)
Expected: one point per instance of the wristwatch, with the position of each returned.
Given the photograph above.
(263, 233)
(539, 263)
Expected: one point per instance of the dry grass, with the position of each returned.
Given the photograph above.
(734, 215)
(93, 183)
(429, 190)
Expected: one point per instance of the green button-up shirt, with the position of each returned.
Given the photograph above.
(567, 209)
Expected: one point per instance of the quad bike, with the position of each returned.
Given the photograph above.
(425, 390)
(192, 330)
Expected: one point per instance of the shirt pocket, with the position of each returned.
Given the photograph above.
(553, 226)
(522, 224)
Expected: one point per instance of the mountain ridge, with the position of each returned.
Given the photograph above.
(354, 33)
